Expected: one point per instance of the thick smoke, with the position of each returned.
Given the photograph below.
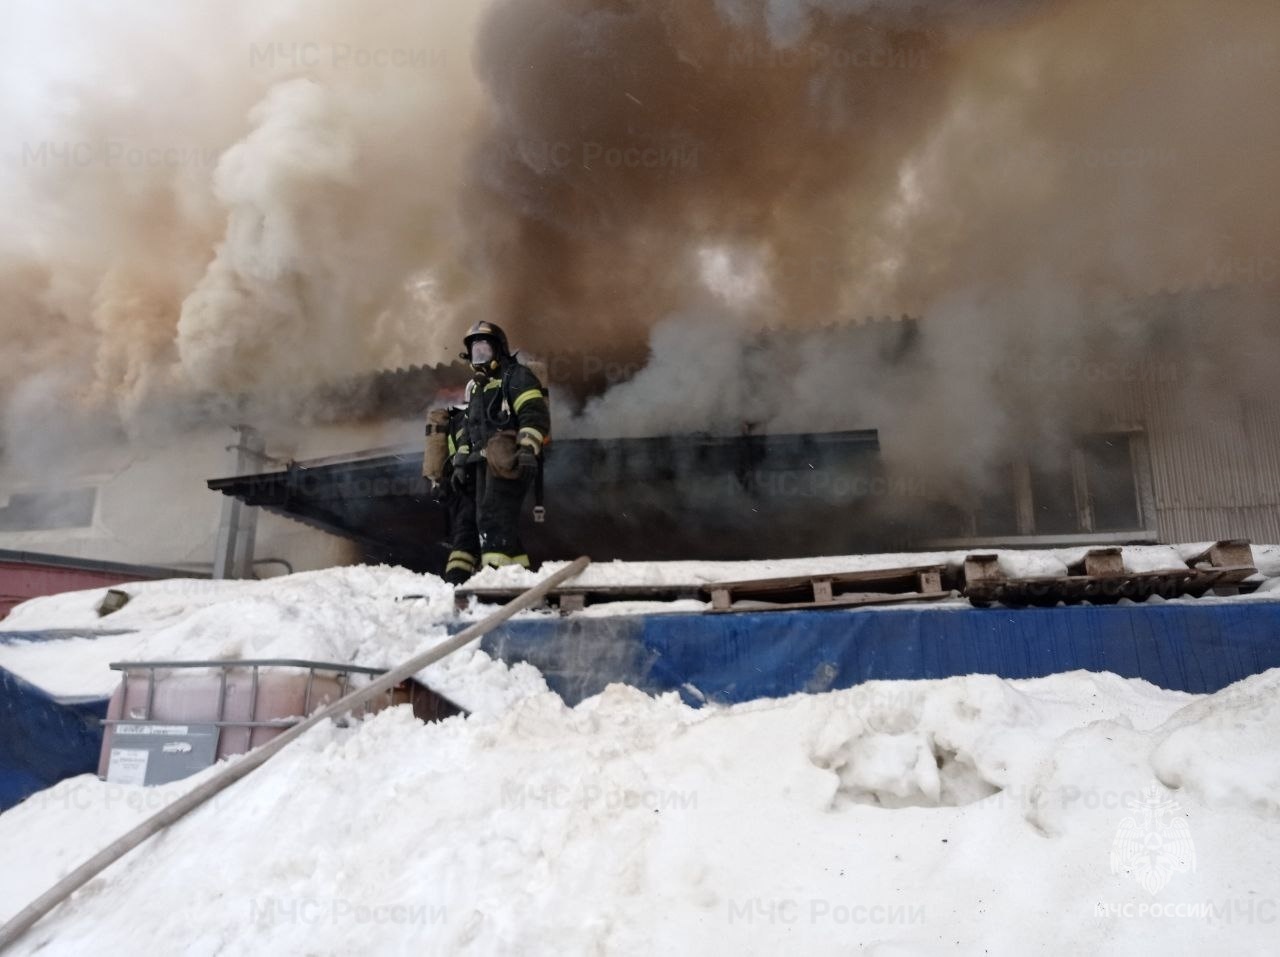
(631, 138)
(1024, 176)
(230, 200)
(867, 156)
(252, 201)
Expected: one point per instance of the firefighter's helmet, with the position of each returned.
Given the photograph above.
(487, 330)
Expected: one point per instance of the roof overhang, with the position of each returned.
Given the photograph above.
(668, 497)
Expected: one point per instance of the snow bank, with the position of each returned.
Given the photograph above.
(380, 616)
(1076, 813)
(1079, 812)
(371, 616)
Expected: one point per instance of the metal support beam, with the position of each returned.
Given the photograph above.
(238, 524)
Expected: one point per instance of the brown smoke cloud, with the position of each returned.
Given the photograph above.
(641, 179)
(1026, 176)
(867, 156)
(629, 138)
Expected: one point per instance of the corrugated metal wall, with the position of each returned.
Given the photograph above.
(1215, 460)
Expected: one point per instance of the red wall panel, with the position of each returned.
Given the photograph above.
(21, 580)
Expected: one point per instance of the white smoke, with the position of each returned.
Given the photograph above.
(236, 198)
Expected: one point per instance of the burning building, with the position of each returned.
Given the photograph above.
(678, 204)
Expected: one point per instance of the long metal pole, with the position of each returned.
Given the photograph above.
(27, 917)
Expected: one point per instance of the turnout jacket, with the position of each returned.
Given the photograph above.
(512, 400)
(457, 440)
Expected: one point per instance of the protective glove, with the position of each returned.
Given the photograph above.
(436, 491)
(526, 463)
(460, 461)
(459, 478)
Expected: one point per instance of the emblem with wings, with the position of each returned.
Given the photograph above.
(1155, 844)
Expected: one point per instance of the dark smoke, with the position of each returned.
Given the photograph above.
(1026, 176)
(629, 137)
(706, 186)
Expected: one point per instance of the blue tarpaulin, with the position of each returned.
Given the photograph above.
(1186, 646)
(44, 739)
(738, 657)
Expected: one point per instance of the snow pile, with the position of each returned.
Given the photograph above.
(381, 616)
(376, 617)
(1102, 814)
(1082, 813)
(1015, 563)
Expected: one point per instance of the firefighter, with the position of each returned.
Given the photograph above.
(508, 425)
(459, 497)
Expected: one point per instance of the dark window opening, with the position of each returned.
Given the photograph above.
(1108, 470)
(1053, 499)
(1090, 486)
(997, 511)
(39, 511)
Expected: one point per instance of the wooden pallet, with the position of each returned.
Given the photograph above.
(1223, 567)
(843, 589)
(852, 600)
(1100, 577)
(822, 590)
(575, 597)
